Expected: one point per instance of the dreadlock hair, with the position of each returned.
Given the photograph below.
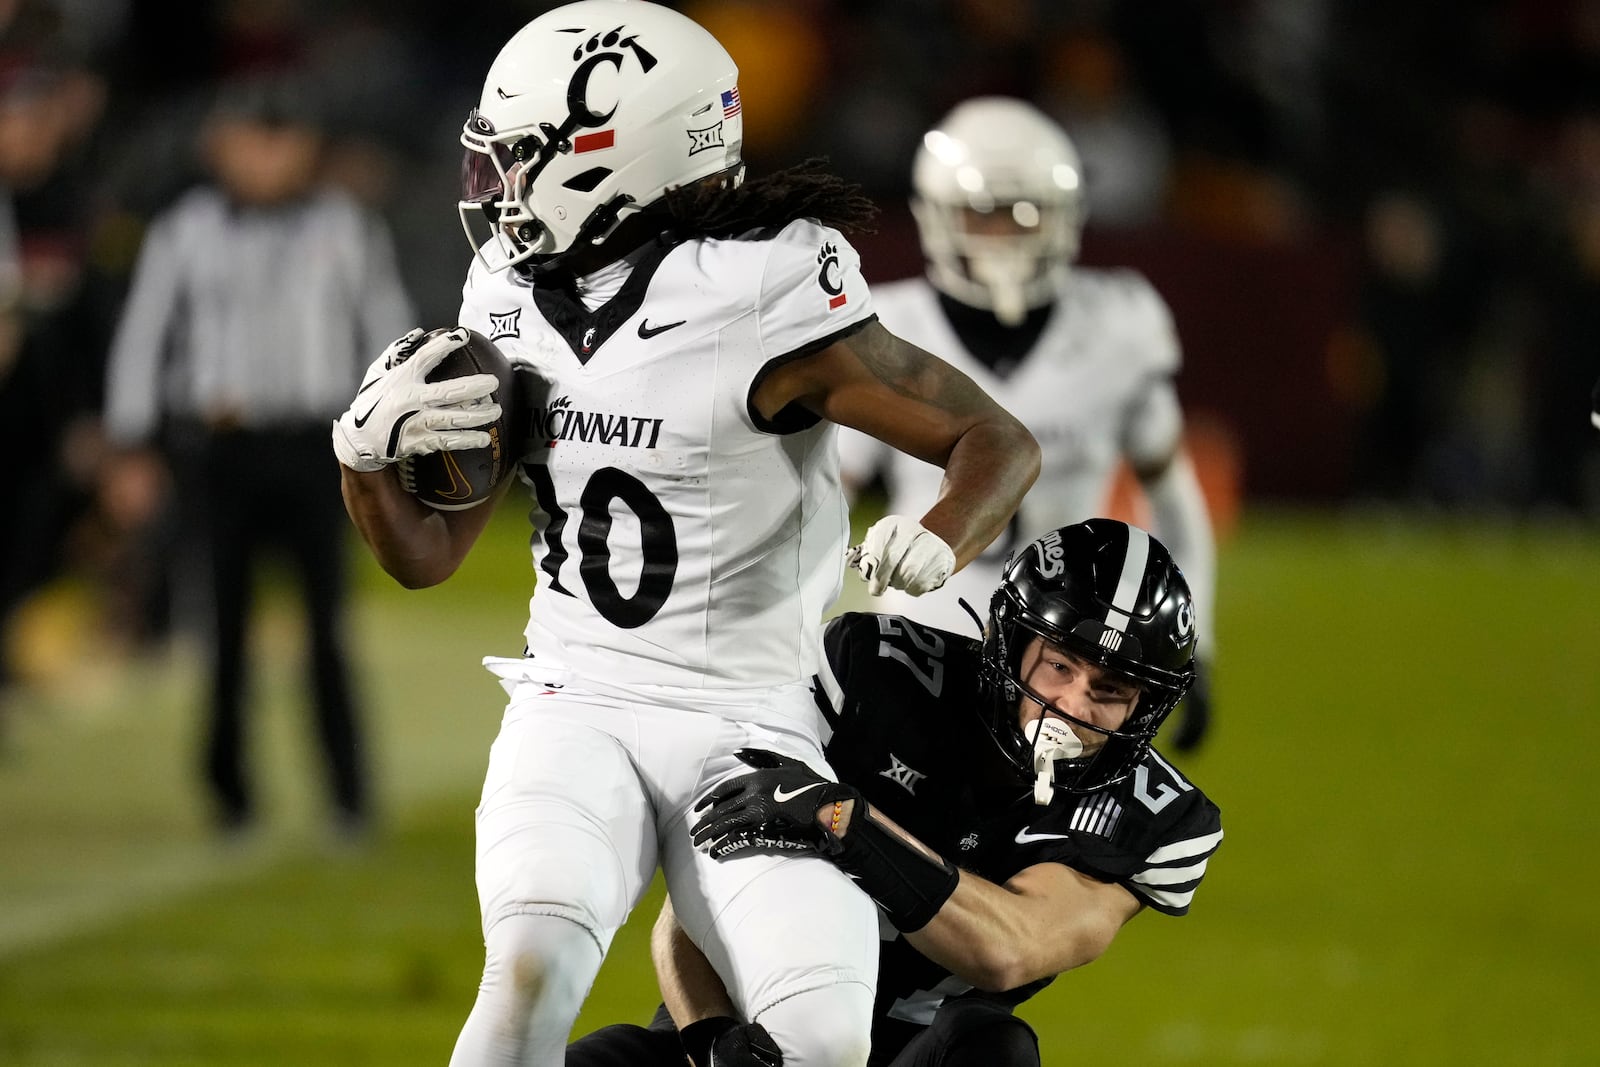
(807, 190)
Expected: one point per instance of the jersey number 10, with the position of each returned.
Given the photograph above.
(658, 547)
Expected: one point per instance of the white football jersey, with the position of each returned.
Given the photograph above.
(679, 538)
(1096, 386)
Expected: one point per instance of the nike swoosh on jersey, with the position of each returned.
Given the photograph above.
(1026, 838)
(647, 331)
(783, 798)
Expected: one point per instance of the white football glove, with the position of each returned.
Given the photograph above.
(898, 552)
(397, 413)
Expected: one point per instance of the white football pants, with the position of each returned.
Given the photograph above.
(585, 794)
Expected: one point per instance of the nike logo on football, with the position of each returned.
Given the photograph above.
(1026, 838)
(459, 488)
(647, 331)
(782, 797)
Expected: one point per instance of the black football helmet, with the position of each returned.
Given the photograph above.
(1106, 591)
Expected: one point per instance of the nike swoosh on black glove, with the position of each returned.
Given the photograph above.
(774, 806)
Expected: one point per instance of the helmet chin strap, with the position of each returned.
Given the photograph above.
(1052, 740)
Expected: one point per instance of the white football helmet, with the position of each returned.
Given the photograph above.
(589, 113)
(998, 198)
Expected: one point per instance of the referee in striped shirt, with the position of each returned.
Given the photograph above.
(257, 302)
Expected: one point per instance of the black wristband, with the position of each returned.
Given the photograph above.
(696, 1038)
(910, 887)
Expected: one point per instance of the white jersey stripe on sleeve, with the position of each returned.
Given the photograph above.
(1171, 875)
(1167, 898)
(1182, 850)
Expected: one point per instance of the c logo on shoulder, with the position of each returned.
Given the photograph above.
(828, 275)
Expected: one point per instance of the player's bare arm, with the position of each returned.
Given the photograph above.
(415, 544)
(690, 987)
(1046, 919)
(877, 383)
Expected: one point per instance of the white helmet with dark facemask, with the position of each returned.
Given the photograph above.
(590, 113)
(998, 199)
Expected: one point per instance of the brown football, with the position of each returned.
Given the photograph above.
(455, 481)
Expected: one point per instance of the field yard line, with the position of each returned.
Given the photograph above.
(88, 908)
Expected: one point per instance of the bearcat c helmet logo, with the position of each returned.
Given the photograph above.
(585, 119)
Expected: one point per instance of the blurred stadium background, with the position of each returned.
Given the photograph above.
(1379, 230)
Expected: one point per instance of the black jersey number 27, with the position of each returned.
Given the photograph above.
(658, 546)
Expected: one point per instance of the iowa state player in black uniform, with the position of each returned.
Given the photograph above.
(999, 800)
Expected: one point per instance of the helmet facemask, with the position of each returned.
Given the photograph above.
(495, 176)
(1008, 257)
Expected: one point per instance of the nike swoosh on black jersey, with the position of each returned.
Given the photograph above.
(647, 331)
(1024, 837)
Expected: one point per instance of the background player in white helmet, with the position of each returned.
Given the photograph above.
(1084, 357)
(690, 340)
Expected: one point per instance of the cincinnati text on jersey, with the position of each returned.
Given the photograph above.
(560, 421)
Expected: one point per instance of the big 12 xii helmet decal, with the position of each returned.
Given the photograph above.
(998, 199)
(1110, 593)
(590, 112)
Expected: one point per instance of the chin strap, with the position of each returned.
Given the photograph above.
(972, 613)
(1052, 740)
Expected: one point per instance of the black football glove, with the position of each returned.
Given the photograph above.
(1195, 711)
(725, 1042)
(772, 807)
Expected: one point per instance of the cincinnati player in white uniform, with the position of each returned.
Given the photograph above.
(1022, 766)
(688, 341)
(689, 540)
(1085, 358)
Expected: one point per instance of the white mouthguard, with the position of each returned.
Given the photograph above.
(1052, 739)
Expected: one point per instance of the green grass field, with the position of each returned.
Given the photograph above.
(1408, 722)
